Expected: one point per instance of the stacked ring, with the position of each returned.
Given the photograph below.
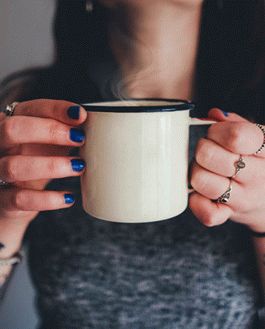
(239, 165)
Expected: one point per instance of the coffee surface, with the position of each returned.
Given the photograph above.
(133, 103)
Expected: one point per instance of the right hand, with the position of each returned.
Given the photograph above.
(34, 147)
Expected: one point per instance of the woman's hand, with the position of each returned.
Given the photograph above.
(34, 147)
(215, 157)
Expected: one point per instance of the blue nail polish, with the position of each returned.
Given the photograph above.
(78, 164)
(77, 135)
(69, 198)
(73, 112)
(225, 113)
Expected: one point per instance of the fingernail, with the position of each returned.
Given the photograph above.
(225, 113)
(78, 164)
(77, 135)
(69, 198)
(73, 112)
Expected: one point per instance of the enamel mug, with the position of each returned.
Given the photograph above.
(137, 159)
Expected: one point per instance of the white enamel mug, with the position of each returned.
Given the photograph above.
(136, 153)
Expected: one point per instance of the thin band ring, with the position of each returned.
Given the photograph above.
(224, 198)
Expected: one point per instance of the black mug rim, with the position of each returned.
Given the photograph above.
(183, 106)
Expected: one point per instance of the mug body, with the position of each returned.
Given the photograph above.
(136, 164)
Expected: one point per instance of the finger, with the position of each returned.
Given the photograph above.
(219, 115)
(212, 186)
(220, 161)
(238, 137)
(21, 129)
(66, 112)
(42, 150)
(25, 168)
(15, 199)
(208, 212)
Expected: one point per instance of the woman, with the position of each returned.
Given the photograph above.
(173, 274)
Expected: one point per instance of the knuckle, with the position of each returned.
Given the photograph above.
(203, 152)
(10, 168)
(236, 134)
(19, 200)
(52, 166)
(53, 130)
(198, 179)
(9, 129)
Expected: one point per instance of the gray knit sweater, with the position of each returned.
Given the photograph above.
(174, 274)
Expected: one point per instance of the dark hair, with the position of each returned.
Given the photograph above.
(231, 58)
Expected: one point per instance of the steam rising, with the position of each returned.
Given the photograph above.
(122, 83)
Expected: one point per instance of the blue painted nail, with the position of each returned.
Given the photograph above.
(225, 113)
(69, 198)
(73, 112)
(78, 164)
(77, 135)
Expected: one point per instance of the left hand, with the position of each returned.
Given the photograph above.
(214, 166)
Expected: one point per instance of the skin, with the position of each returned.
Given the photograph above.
(149, 50)
(40, 128)
(31, 166)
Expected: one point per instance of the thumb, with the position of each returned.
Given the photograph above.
(219, 115)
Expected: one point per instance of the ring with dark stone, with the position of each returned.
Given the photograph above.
(224, 198)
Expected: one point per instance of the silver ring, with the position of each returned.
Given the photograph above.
(9, 110)
(239, 165)
(224, 198)
(4, 183)
(263, 144)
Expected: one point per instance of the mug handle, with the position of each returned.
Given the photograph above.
(199, 122)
